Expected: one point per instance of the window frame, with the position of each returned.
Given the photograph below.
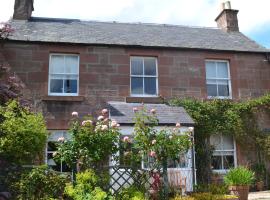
(224, 79)
(63, 134)
(221, 153)
(144, 76)
(49, 75)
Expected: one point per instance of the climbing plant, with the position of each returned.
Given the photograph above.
(227, 117)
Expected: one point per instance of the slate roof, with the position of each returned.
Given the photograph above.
(131, 34)
(123, 113)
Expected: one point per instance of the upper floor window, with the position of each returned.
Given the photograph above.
(144, 76)
(218, 79)
(223, 157)
(64, 75)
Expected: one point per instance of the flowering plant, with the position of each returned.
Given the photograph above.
(5, 30)
(159, 145)
(92, 141)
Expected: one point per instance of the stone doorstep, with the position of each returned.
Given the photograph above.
(263, 195)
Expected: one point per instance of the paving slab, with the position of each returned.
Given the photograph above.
(263, 195)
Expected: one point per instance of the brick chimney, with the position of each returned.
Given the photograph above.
(23, 9)
(227, 19)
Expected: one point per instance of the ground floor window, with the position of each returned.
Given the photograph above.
(223, 157)
(51, 149)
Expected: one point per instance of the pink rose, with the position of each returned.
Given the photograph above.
(126, 139)
(74, 114)
(152, 154)
(100, 118)
(135, 109)
(61, 139)
(104, 111)
(154, 142)
(178, 125)
(153, 111)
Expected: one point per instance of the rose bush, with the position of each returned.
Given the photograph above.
(92, 141)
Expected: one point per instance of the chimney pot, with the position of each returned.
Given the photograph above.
(228, 5)
(23, 9)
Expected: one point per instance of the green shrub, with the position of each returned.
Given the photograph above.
(23, 134)
(239, 176)
(41, 183)
(130, 193)
(86, 187)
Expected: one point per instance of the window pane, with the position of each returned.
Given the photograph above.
(72, 64)
(227, 142)
(223, 90)
(137, 66)
(57, 64)
(181, 162)
(215, 140)
(228, 162)
(70, 86)
(150, 86)
(222, 70)
(211, 89)
(210, 69)
(56, 86)
(216, 162)
(150, 66)
(136, 85)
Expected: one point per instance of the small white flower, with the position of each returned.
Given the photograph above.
(104, 127)
(100, 118)
(154, 142)
(61, 139)
(114, 123)
(190, 129)
(86, 122)
(153, 111)
(170, 137)
(74, 114)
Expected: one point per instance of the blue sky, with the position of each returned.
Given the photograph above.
(254, 16)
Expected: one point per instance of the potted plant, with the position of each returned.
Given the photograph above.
(260, 172)
(239, 180)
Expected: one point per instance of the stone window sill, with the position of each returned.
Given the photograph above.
(63, 98)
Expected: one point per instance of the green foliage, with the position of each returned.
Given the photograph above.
(23, 134)
(260, 171)
(226, 117)
(212, 189)
(205, 196)
(130, 193)
(41, 183)
(161, 145)
(239, 176)
(90, 142)
(86, 187)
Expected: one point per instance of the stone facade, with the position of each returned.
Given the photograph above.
(104, 75)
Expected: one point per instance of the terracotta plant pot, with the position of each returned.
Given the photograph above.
(259, 185)
(240, 190)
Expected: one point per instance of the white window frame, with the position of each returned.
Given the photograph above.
(64, 133)
(224, 171)
(215, 78)
(144, 76)
(49, 78)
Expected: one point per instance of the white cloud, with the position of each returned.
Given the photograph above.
(253, 16)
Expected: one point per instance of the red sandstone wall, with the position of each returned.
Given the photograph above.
(104, 75)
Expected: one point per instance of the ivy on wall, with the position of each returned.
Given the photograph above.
(237, 118)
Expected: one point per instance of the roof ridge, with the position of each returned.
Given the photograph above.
(119, 22)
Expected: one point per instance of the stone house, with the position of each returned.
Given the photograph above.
(72, 65)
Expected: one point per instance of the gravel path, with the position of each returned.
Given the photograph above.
(264, 195)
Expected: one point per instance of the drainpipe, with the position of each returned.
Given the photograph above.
(194, 181)
(268, 56)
